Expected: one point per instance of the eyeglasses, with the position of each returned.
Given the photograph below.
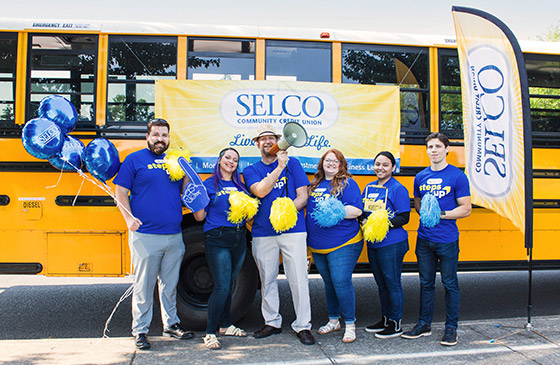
(334, 162)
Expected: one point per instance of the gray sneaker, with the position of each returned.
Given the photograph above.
(418, 331)
(449, 337)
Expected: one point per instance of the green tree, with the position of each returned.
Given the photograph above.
(552, 34)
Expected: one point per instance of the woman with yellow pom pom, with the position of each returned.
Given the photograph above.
(386, 252)
(225, 244)
(335, 239)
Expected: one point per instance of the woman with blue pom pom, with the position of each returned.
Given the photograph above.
(438, 235)
(386, 256)
(334, 238)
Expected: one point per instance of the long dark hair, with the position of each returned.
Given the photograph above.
(235, 177)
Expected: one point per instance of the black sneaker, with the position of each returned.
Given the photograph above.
(418, 331)
(393, 329)
(378, 327)
(141, 341)
(449, 337)
(178, 332)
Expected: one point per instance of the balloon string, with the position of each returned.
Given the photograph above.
(103, 187)
(78, 193)
(59, 177)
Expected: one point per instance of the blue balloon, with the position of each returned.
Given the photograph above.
(59, 110)
(42, 138)
(102, 159)
(70, 156)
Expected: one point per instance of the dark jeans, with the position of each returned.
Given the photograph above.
(336, 269)
(225, 249)
(386, 265)
(428, 254)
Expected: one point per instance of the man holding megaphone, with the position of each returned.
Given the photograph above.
(277, 176)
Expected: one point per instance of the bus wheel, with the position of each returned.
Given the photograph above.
(195, 283)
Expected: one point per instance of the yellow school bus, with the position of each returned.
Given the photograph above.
(108, 72)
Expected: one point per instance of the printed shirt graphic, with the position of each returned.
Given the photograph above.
(294, 175)
(154, 198)
(217, 209)
(447, 185)
(398, 201)
(319, 238)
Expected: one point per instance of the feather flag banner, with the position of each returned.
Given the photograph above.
(242, 207)
(283, 214)
(496, 116)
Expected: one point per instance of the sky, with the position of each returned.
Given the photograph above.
(526, 18)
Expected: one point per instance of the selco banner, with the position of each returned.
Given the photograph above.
(207, 116)
(492, 113)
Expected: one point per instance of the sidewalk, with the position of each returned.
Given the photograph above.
(475, 346)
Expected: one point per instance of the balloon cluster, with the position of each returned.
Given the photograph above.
(46, 138)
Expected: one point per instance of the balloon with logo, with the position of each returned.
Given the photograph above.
(102, 159)
(71, 156)
(59, 110)
(42, 138)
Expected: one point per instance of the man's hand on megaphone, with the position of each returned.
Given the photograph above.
(282, 158)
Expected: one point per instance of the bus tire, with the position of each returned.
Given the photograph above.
(195, 283)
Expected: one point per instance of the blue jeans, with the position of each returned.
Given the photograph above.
(336, 269)
(386, 265)
(428, 254)
(225, 249)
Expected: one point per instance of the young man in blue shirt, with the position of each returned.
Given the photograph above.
(440, 243)
(155, 235)
(270, 178)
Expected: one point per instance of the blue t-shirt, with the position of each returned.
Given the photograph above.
(295, 178)
(217, 209)
(154, 198)
(447, 185)
(398, 202)
(326, 238)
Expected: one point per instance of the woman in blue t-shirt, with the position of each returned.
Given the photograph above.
(336, 249)
(225, 244)
(386, 257)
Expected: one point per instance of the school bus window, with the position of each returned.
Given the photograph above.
(8, 55)
(543, 74)
(63, 65)
(406, 67)
(133, 65)
(298, 61)
(220, 59)
(450, 102)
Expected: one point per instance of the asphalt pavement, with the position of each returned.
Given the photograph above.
(60, 320)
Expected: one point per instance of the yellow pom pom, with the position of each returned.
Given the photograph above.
(171, 156)
(377, 226)
(242, 206)
(283, 214)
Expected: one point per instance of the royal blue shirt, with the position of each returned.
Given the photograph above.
(293, 175)
(218, 208)
(154, 198)
(319, 238)
(447, 185)
(398, 201)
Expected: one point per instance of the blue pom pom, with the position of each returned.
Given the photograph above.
(328, 212)
(429, 211)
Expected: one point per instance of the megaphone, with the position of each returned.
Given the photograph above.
(293, 134)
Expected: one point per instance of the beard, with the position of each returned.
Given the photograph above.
(158, 148)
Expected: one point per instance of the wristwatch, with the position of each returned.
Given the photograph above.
(443, 213)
